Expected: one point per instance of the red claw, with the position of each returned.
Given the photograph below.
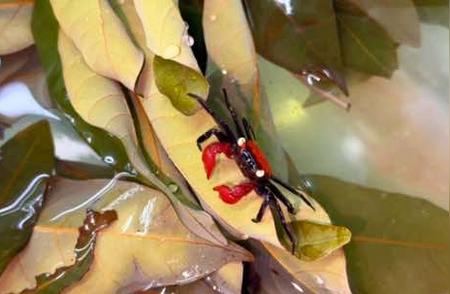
(234, 194)
(210, 153)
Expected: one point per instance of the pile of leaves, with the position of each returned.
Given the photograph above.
(125, 206)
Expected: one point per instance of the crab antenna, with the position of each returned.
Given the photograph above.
(293, 191)
(233, 114)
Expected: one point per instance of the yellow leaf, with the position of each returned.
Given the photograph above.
(146, 246)
(98, 100)
(15, 29)
(101, 102)
(101, 38)
(229, 40)
(178, 133)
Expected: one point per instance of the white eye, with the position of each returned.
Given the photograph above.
(260, 173)
(241, 141)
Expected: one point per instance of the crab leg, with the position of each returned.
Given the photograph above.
(234, 194)
(210, 154)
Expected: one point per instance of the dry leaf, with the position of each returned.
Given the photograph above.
(101, 38)
(146, 246)
(15, 30)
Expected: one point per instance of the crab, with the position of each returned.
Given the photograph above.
(240, 145)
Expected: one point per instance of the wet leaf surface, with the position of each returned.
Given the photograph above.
(101, 38)
(26, 162)
(147, 246)
(176, 81)
(84, 250)
(395, 237)
(45, 31)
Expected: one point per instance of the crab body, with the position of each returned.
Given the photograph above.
(240, 145)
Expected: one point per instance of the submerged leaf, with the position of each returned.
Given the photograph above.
(298, 35)
(26, 162)
(15, 32)
(390, 231)
(101, 38)
(366, 45)
(146, 247)
(84, 250)
(176, 81)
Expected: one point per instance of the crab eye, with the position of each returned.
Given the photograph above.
(241, 141)
(260, 173)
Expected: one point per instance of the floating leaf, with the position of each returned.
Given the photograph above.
(315, 240)
(15, 33)
(84, 251)
(101, 38)
(146, 247)
(176, 81)
(45, 31)
(26, 162)
(390, 231)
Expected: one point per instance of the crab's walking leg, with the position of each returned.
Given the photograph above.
(221, 136)
(234, 115)
(293, 191)
(248, 129)
(234, 194)
(210, 153)
(261, 210)
(277, 193)
(274, 204)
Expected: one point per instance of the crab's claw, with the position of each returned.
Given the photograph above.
(210, 154)
(234, 194)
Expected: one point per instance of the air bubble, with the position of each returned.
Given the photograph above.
(212, 17)
(173, 188)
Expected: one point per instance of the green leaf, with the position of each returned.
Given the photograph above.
(366, 46)
(84, 250)
(45, 30)
(315, 240)
(176, 81)
(298, 35)
(396, 238)
(26, 162)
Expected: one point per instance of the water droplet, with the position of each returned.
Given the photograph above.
(319, 280)
(189, 41)
(173, 188)
(212, 17)
(171, 51)
(297, 287)
(224, 71)
(109, 159)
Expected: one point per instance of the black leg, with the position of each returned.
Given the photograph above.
(292, 190)
(286, 227)
(261, 210)
(226, 129)
(234, 115)
(221, 136)
(277, 193)
(248, 129)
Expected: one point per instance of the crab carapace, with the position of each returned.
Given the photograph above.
(239, 144)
